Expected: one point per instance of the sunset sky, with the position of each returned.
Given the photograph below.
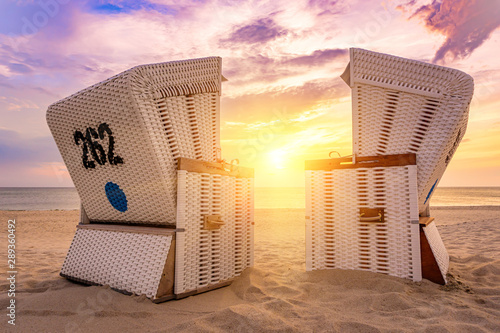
(284, 102)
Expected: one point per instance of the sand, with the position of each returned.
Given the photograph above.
(276, 295)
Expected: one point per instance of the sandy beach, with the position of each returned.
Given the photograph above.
(277, 295)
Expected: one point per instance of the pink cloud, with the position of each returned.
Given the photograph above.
(258, 68)
(318, 57)
(260, 31)
(467, 24)
(326, 6)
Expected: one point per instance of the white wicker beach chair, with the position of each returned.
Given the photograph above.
(404, 106)
(364, 212)
(162, 214)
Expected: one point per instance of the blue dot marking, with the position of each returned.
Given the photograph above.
(116, 196)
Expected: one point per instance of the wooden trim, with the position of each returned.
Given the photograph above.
(430, 267)
(163, 299)
(166, 285)
(134, 224)
(90, 283)
(126, 228)
(425, 220)
(204, 289)
(225, 169)
(84, 219)
(362, 162)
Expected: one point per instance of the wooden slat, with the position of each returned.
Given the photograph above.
(227, 169)
(166, 286)
(362, 162)
(126, 228)
(84, 219)
(425, 220)
(204, 289)
(430, 267)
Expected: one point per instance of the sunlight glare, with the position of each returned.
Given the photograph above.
(277, 158)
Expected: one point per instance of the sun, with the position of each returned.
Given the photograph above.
(278, 158)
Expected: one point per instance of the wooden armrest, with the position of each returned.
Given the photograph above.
(425, 220)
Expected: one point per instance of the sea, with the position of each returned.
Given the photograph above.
(66, 198)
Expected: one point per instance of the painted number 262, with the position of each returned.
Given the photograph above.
(92, 150)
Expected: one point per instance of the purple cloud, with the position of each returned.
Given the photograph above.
(467, 24)
(258, 68)
(30, 162)
(27, 18)
(19, 68)
(14, 149)
(318, 57)
(253, 69)
(326, 6)
(3, 81)
(260, 31)
(24, 62)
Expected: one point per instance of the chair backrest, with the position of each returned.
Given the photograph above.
(120, 139)
(407, 106)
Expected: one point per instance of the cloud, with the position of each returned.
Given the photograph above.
(318, 57)
(13, 103)
(22, 62)
(19, 68)
(326, 6)
(14, 149)
(30, 17)
(256, 68)
(18, 17)
(261, 68)
(467, 24)
(3, 82)
(260, 31)
(289, 103)
(30, 162)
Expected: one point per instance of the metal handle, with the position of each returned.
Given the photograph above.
(370, 219)
(212, 222)
(217, 222)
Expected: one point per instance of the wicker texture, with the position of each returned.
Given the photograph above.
(406, 106)
(207, 257)
(125, 261)
(120, 140)
(335, 237)
(156, 113)
(438, 248)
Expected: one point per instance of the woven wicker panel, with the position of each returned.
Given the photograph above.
(191, 125)
(406, 106)
(155, 113)
(335, 238)
(207, 257)
(438, 248)
(125, 261)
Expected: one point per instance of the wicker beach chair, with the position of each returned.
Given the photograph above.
(364, 212)
(162, 215)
